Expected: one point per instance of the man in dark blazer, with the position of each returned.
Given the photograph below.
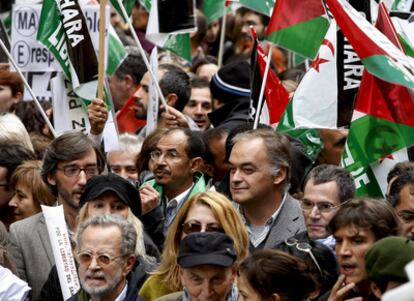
(70, 160)
(260, 163)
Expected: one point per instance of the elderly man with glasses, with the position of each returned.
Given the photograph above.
(326, 188)
(106, 256)
(69, 161)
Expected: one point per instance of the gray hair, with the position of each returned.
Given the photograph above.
(278, 150)
(130, 143)
(128, 233)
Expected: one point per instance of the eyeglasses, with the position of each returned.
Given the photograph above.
(169, 155)
(74, 171)
(194, 227)
(324, 207)
(103, 260)
(406, 216)
(304, 247)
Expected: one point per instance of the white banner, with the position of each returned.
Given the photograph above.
(69, 111)
(153, 102)
(62, 250)
(31, 55)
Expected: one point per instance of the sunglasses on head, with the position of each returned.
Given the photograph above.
(194, 227)
(303, 247)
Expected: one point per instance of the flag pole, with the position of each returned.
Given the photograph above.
(101, 59)
(39, 107)
(222, 34)
(143, 54)
(262, 89)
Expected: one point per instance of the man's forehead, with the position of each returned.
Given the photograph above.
(88, 158)
(208, 270)
(172, 140)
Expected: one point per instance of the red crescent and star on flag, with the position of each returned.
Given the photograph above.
(318, 60)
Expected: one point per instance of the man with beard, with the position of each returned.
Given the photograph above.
(105, 254)
(176, 88)
(69, 161)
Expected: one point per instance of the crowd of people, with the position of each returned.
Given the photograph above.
(203, 208)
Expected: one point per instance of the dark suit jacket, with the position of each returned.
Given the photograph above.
(30, 246)
(288, 223)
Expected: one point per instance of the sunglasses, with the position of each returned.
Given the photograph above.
(195, 227)
(304, 247)
(103, 260)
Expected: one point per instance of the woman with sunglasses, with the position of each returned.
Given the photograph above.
(204, 212)
(274, 275)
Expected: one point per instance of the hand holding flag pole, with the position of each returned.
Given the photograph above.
(39, 107)
(154, 77)
(262, 88)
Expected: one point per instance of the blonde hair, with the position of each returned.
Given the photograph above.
(228, 218)
(83, 215)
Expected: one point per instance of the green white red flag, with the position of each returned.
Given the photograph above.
(315, 102)
(382, 125)
(276, 96)
(379, 56)
(298, 25)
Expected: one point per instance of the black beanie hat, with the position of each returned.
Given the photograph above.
(126, 192)
(231, 82)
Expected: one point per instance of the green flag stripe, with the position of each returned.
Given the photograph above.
(304, 38)
(213, 9)
(385, 68)
(407, 46)
(376, 137)
(116, 53)
(262, 6)
(180, 44)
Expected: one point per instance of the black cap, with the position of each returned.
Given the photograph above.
(213, 248)
(126, 192)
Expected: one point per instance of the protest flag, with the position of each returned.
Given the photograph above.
(126, 120)
(213, 9)
(264, 7)
(404, 25)
(62, 29)
(382, 126)
(379, 56)
(298, 25)
(170, 17)
(315, 102)
(180, 44)
(276, 96)
(128, 5)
